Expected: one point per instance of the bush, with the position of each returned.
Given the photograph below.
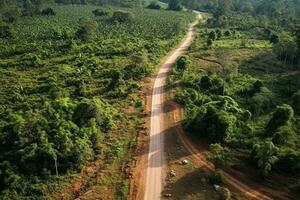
(48, 12)
(289, 161)
(296, 102)
(216, 178)
(154, 5)
(219, 155)
(100, 13)
(86, 29)
(281, 116)
(9, 16)
(175, 5)
(281, 136)
(182, 63)
(5, 32)
(211, 84)
(122, 16)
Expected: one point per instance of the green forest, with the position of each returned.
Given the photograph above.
(240, 88)
(72, 72)
(68, 70)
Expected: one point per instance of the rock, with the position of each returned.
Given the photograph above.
(203, 180)
(173, 173)
(224, 193)
(168, 195)
(216, 187)
(184, 162)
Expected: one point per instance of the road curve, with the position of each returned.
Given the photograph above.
(156, 157)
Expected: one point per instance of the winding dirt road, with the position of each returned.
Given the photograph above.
(156, 157)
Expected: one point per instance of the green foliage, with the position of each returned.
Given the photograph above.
(265, 155)
(282, 135)
(296, 102)
(216, 178)
(154, 5)
(211, 84)
(289, 161)
(212, 35)
(100, 13)
(48, 12)
(5, 32)
(62, 98)
(281, 117)
(219, 155)
(217, 120)
(122, 16)
(274, 39)
(182, 63)
(174, 5)
(86, 30)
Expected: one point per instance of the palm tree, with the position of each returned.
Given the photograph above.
(266, 156)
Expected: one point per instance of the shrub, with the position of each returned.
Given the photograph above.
(296, 102)
(154, 5)
(216, 178)
(9, 16)
(100, 13)
(227, 33)
(175, 5)
(281, 116)
(211, 84)
(265, 155)
(182, 63)
(86, 29)
(48, 12)
(5, 32)
(289, 161)
(281, 136)
(219, 155)
(212, 35)
(122, 16)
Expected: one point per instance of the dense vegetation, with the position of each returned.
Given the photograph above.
(240, 87)
(67, 74)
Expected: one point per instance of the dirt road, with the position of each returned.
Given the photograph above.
(156, 157)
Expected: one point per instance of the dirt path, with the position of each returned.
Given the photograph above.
(199, 156)
(156, 157)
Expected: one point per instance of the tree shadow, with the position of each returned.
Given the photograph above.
(193, 185)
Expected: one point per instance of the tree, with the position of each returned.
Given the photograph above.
(209, 43)
(212, 35)
(174, 5)
(100, 13)
(86, 30)
(48, 12)
(219, 155)
(31, 7)
(219, 34)
(296, 102)
(5, 32)
(280, 117)
(154, 5)
(297, 34)
(274, 39)
(265, 155)
(182, 63)
(122, 16)
(223, 8)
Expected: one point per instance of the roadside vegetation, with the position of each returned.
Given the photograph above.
(239, 86)
(69, 75)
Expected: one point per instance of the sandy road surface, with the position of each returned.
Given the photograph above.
(156, 160)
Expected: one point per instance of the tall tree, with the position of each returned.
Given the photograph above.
(174, 5)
